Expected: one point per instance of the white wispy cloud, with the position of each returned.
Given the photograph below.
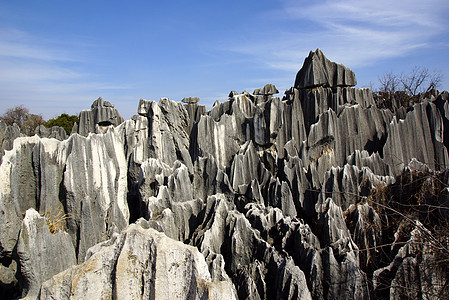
(356, 33)
(45, 75)
(381, 12)
(18, 44)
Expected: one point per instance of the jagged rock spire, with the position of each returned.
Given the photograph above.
(318, 70)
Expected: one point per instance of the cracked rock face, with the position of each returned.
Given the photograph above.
(261, 197)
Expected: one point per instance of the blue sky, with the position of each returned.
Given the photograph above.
(58, 56)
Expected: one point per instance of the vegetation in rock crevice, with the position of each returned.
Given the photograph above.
(56, 219)
(414, 213)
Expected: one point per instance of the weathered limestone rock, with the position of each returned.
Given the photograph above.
(9, 281)
(17, 192)
(55, 132)
(422, 125)
(168, 123)
(245, 167)
(365, 224)
(334, 137)
(267, 90)
(42, 253)
(3, 127)
(95, 187)
(410, 275)
(167, 198)
(139, 263)
(135, 134)
(267, 122)
(7, 136)
(320, 71)
(374, 162)
(319, 100)
(195, 112)
(217, 139)
(86, 177)
(190, 100)
(209, 179)
(143, 107)
(102, 113)
(349, 178)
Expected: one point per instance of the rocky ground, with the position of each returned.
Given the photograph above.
(319, 195)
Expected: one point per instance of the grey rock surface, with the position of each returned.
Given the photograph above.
(409, 275)
(216, 139)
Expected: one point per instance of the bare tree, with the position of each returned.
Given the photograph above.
(406, 89)
(420, 81)
(389, 82)
(20, 115)
(15, 115)
(30, 123)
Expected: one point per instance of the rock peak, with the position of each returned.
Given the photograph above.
(190, 100)
(318, 70)
(268, 90)
(102, 113)
(101, 103)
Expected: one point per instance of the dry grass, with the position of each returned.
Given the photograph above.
(56, 219)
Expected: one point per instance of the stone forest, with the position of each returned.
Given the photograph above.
(316, 194)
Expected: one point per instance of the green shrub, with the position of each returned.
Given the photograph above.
(65, 121)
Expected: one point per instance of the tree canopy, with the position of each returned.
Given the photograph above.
(21, 116)
(64, 120)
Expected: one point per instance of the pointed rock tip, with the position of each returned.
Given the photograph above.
(101, 103)
(318, 70)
